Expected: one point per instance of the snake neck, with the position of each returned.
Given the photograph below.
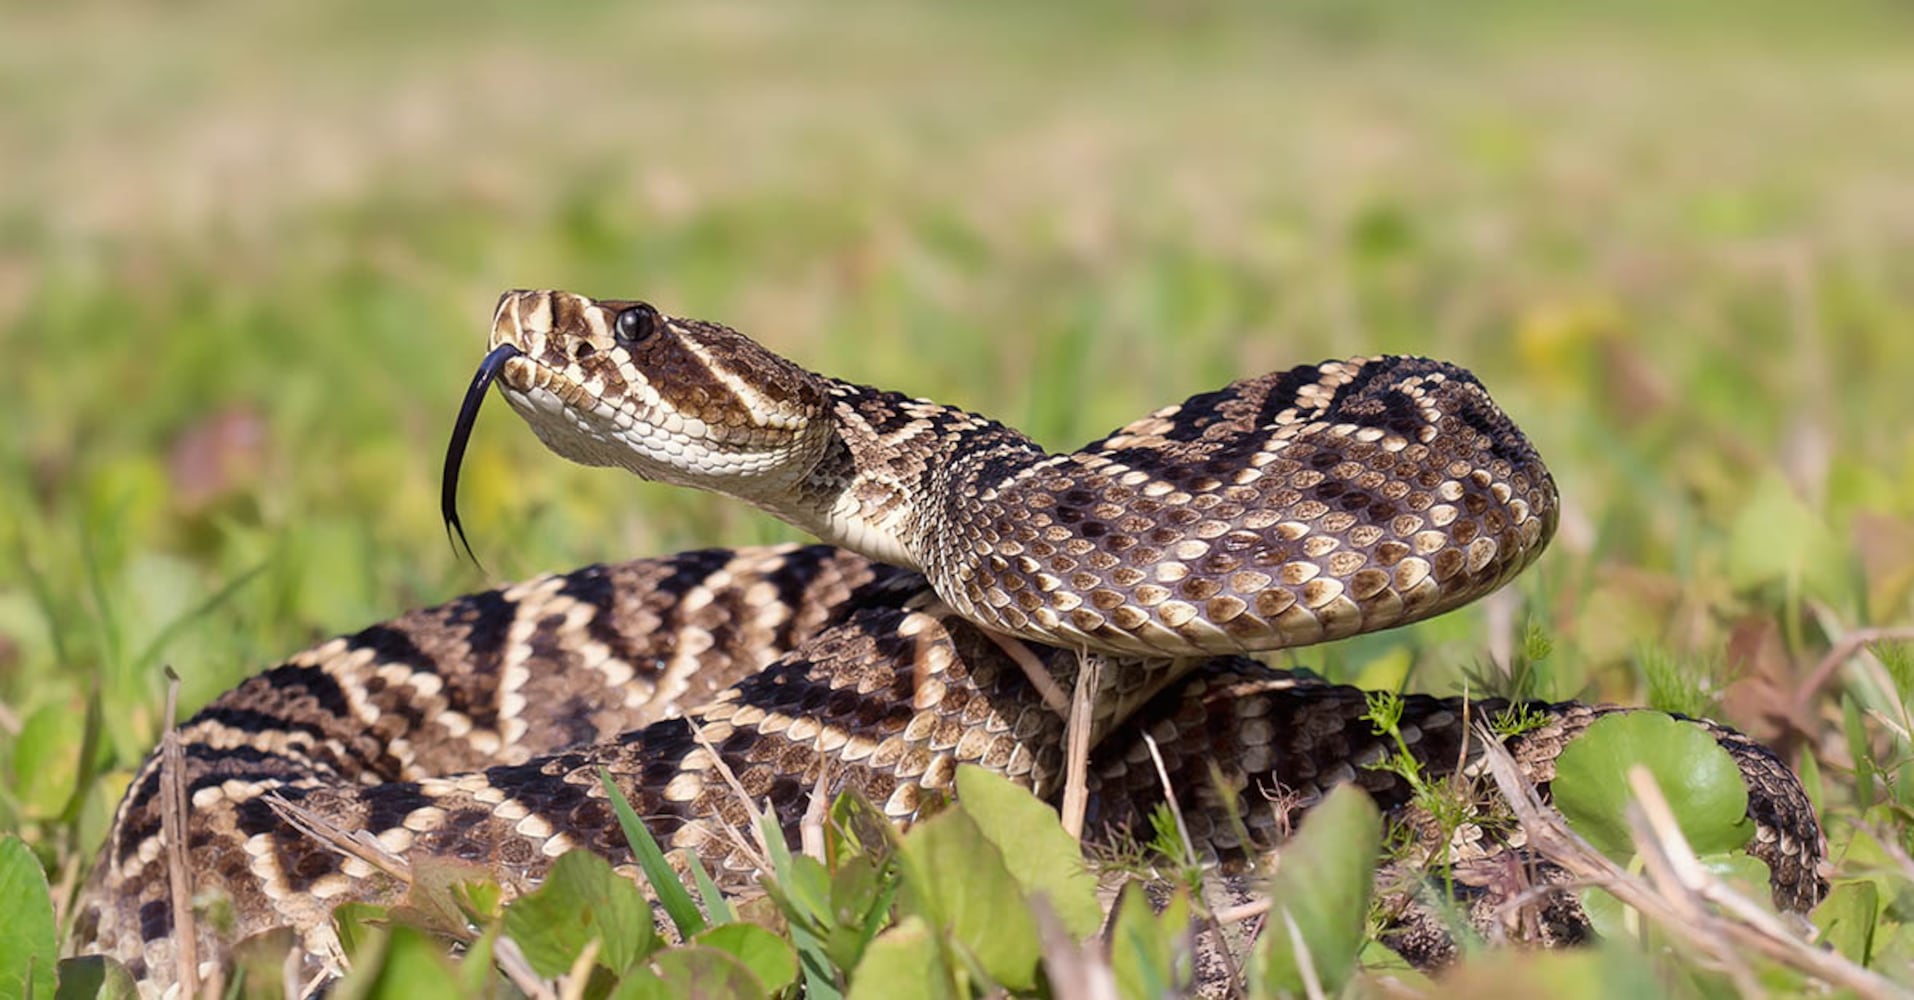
(887, 454)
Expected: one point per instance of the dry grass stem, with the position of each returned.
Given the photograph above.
(1169, 798)
(1685, 900)
(1033, 669)
(1077, 731)
(1673, 868)
(1075, 971)
(289, 971)
(173, 828)
(758, 851)
(1305, 962)
(1246, 911)
(359, 844)
(511, 961)
(1848, 645)
(811, 830)
(572, 985)
(1232, 972)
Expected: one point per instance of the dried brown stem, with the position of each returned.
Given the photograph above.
(1034, 670)
(1685, 900)
(354, 844)
(173, 829)
(1840, 653)
(1076, 971)
(1076, 743)
(512, 961)
(761, 855)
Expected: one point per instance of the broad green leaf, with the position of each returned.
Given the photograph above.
(95, 977)
(1040, 855)
(29, 955)
(1322, 885)
(406, 964)
(695, 973)
(904, 963)
(1605, 973)
(259, 964)
(1701, 782)
(768, 957)
(665, 884)
(1855, 728)
(442, 894)
(359, 926)
(1777, 537)
(956, 879)
(862, 847)
(862, 889)
(1742, 872)
(1893, 942)
(1611, 919)
(481, 900)
(857, 829)
(1378, 959)
(478, 973)
(802, 889)
(1846, 919)
(46, 760)
(1150, 954)
(642, 984)
(582, 899)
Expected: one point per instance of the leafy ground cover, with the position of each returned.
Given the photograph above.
(247, 252)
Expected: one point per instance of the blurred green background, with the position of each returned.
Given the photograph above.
(248, 252)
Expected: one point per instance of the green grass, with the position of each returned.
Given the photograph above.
(247, 252)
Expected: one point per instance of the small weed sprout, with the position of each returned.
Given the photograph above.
(1444, 802)
(1518, 718)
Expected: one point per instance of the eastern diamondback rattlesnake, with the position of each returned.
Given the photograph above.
(1283, 510)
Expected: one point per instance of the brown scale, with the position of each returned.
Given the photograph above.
(1197, 529)
(296, 728)
(883, 699)
(1282, 510)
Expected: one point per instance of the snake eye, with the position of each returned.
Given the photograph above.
(635, 323)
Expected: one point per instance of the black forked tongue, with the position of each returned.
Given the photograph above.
(461, 435)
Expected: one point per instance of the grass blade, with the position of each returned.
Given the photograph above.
(806, 914)
(715, 905)
(671, 891)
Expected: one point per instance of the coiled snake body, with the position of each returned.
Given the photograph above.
(1283, 510)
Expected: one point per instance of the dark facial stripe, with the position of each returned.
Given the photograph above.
(684, 380)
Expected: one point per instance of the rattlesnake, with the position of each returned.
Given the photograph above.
(1293, 508)
(1327, 500)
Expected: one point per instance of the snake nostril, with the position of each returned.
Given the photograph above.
(583, 350)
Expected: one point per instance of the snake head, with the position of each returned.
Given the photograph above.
(619, 383)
